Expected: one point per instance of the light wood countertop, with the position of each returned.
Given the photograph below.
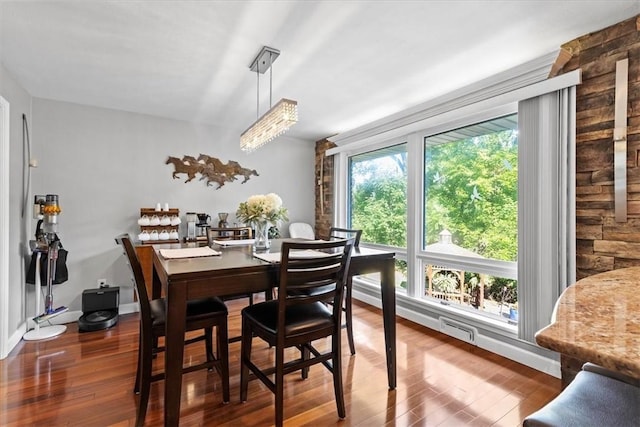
(598, 320)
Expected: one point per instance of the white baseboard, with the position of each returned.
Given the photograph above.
(532, 360)
(129, 308)
(504, 349)
(371, 300)
(73, 316)
(15, 338)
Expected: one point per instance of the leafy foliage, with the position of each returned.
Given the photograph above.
(445, 281)
(502, 290)
(471, 190)
(379, 200)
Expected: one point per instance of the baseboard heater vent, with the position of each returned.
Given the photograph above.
(458, 330)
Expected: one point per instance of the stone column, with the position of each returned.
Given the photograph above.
(324, 179)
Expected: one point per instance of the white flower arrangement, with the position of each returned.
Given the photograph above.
(262, 208)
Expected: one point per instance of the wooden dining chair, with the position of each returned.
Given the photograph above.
(297, 319)
(347, 233)
(205, 314)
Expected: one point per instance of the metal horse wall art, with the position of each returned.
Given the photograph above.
(210, 169)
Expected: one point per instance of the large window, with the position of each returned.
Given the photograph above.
(378, 195)
(476, 197)
(378, 202)
(470, 207)
(471, 188)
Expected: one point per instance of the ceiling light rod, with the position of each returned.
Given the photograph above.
(279, 118)
(263, 62)
(260, 65)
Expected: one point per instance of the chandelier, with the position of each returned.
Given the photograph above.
(279, 118)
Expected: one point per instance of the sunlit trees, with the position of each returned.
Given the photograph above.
(470, 189)
(379, 199)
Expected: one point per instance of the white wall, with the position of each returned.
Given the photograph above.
(20, 103)
(105, 165)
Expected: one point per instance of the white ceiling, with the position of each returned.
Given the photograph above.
(347, 63)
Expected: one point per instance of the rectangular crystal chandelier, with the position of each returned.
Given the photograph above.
(279, 118)
(272, 124)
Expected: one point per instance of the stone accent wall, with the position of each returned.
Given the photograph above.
(324, 175)
(602, 243)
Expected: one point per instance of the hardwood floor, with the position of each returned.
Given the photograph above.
(86, 379)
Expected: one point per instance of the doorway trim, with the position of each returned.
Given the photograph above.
(4, 226)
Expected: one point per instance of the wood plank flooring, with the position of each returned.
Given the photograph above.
(86, 379)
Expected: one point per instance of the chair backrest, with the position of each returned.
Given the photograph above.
(301, 230)
(346, 233)
(138, 277)
(228, 233)
(306, 278)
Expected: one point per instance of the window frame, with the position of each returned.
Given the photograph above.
(414, 254)
(493, 267)
(476, 103)
(349, 204)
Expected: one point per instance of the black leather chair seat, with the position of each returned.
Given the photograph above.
(196, 309)
(592, 399)
(300, 319)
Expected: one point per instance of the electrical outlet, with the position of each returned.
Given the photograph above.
(102, 282)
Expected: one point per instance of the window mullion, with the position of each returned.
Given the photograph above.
(341, 190)
(415, 167)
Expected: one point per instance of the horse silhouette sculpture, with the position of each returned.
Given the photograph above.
(210, 168)
(181, 167)
(239, 170)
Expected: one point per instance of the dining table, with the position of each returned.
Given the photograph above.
(236, 270)
(597, 320)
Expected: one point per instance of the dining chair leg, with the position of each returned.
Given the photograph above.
(136, 387)
(222, 346)
(245, 357)
(279, 380)
(349, 317)
(208, 344)
(305, 354)
(336, 365)
(145, 379)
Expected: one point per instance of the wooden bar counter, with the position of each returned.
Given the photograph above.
(598, 320)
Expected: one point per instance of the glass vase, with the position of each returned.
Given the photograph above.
(262, 242)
